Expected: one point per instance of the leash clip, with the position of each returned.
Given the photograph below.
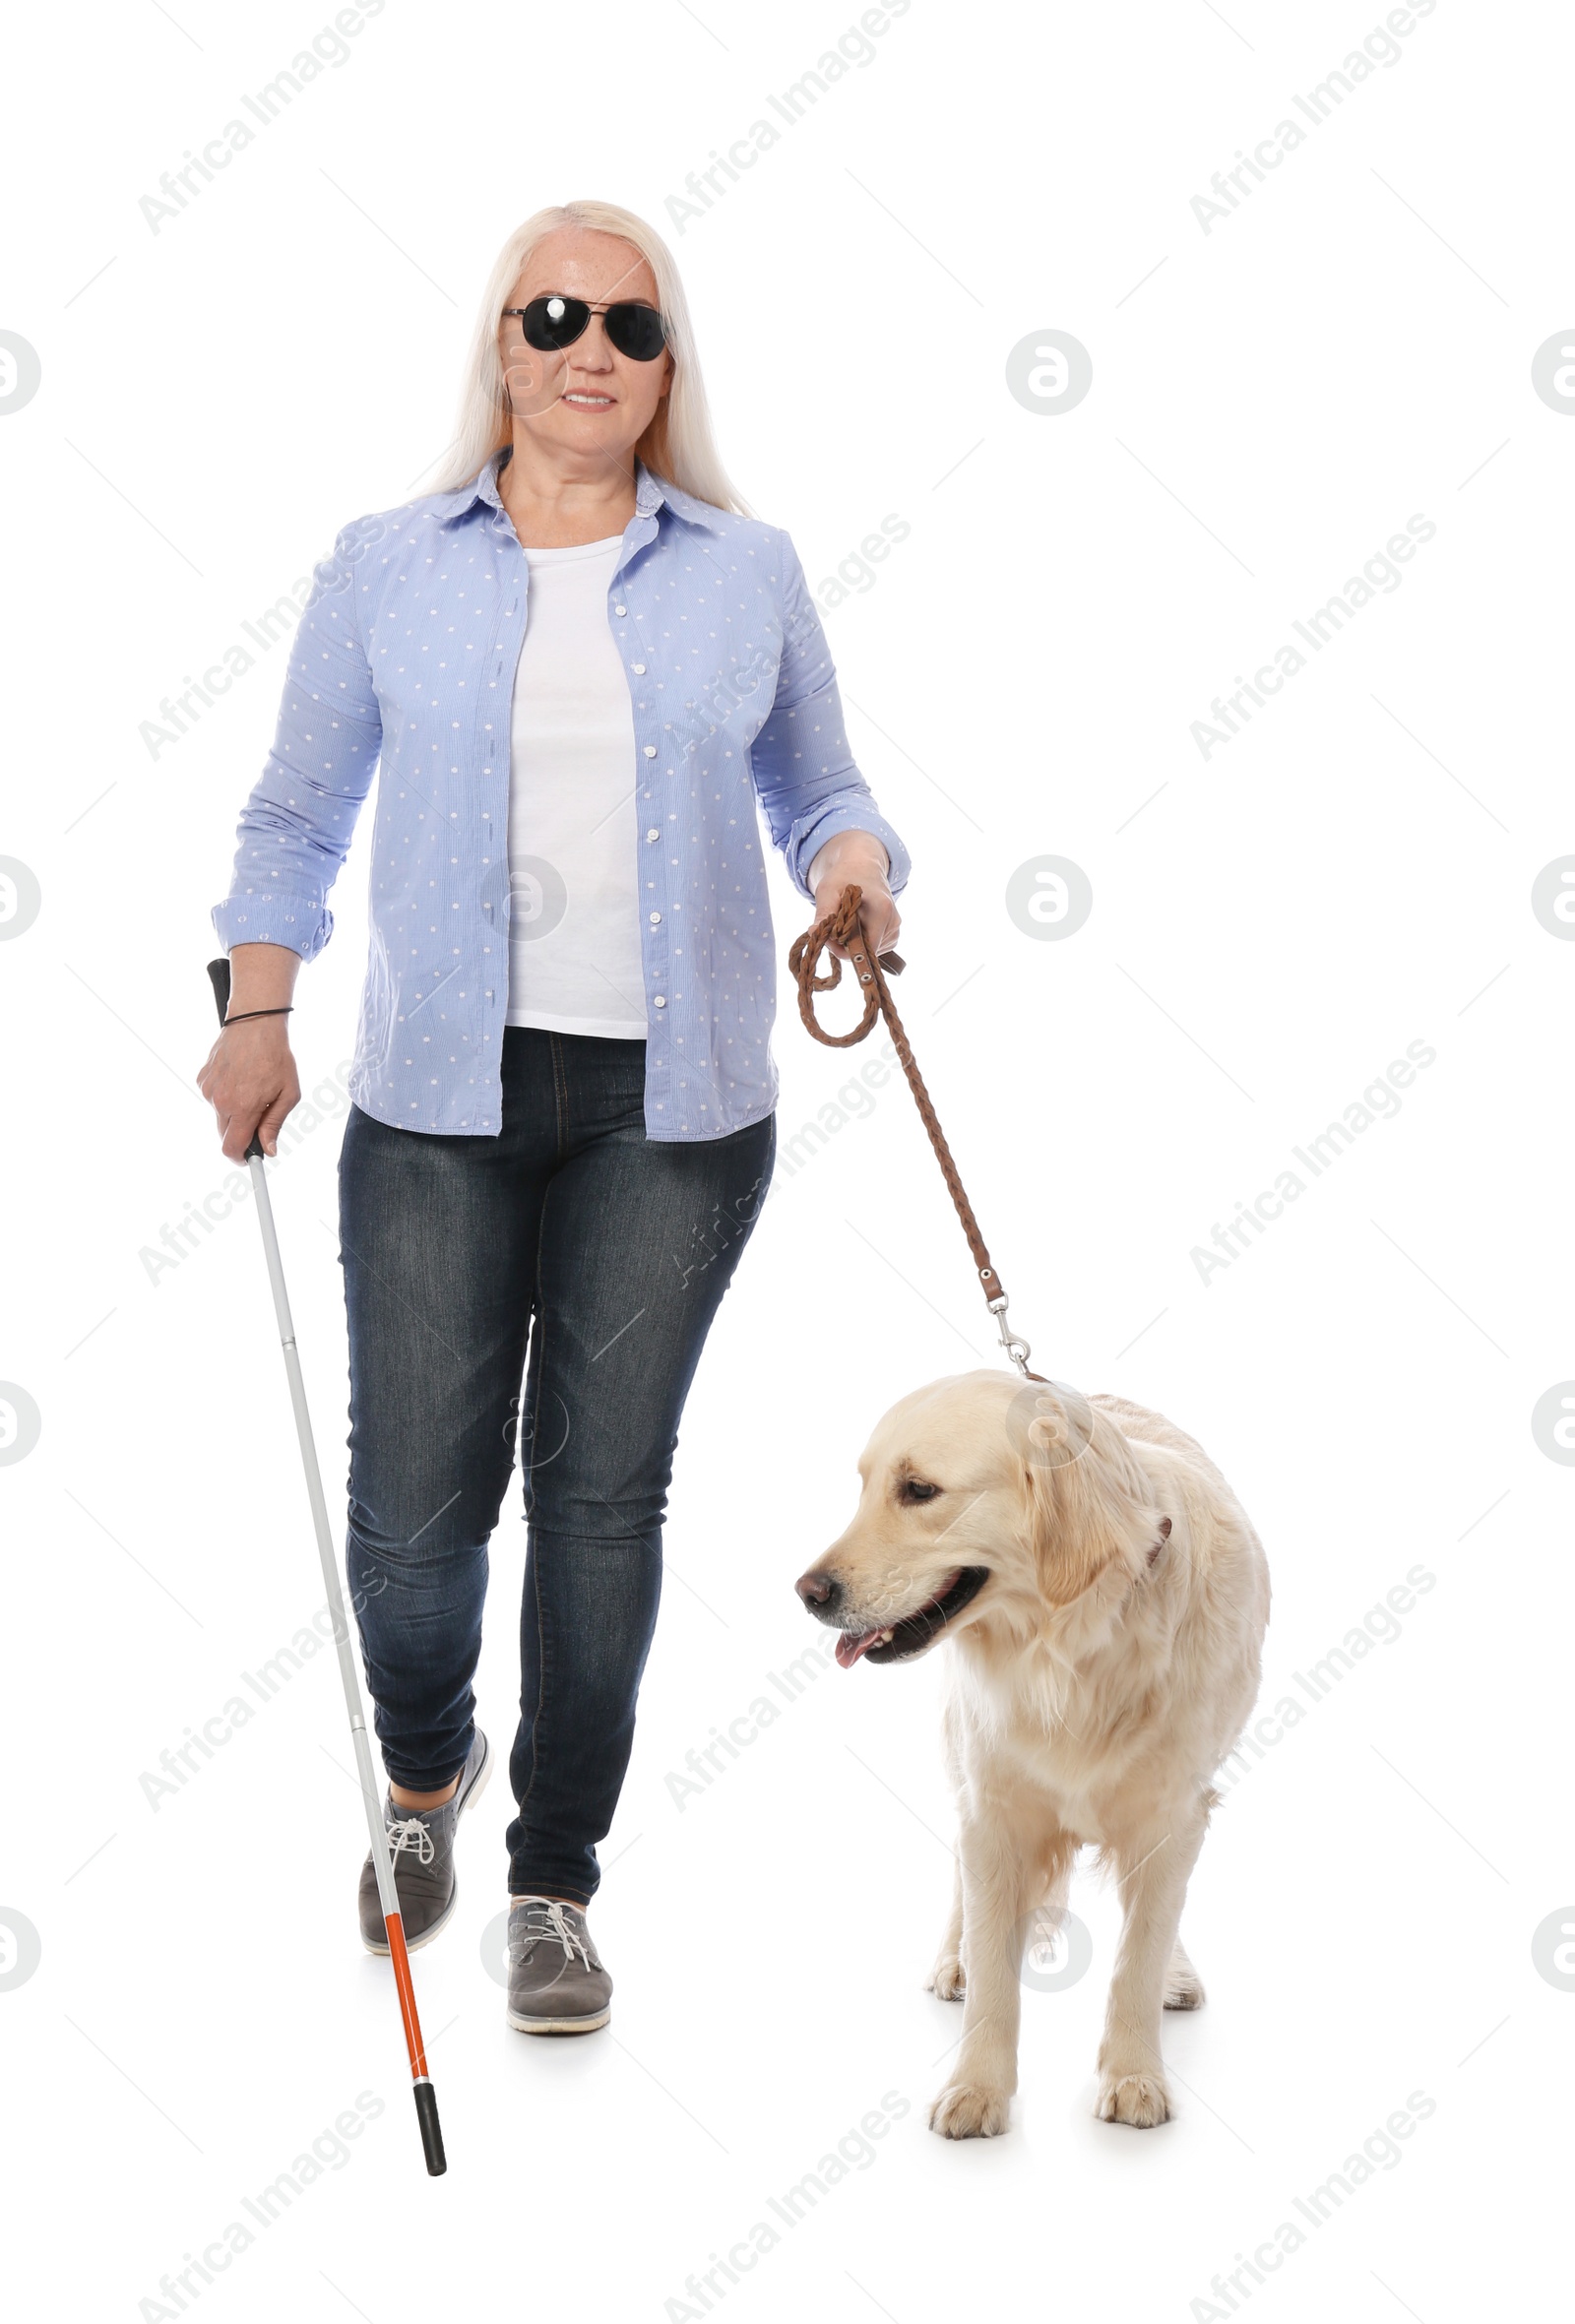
(1017, 1349)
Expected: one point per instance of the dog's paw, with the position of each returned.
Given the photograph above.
(1142, 2100)
(965, 2110)
(945, 1979)
(1183, 1990)
(1183, 1987)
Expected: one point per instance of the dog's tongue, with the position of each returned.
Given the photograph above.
(852, 1643)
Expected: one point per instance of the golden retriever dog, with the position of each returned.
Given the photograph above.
(1105, 1599)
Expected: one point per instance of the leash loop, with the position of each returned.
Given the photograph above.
(843, 926)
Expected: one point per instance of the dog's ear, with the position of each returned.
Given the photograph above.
(1088, 1501)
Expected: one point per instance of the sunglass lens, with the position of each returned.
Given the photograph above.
(636, 332)
(556, 321)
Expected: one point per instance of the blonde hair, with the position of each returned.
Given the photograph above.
(678, 443)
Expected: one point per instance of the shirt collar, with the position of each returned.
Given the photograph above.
(649, 492)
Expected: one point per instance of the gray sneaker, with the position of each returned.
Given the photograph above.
(422, 1841)
(556, 1981)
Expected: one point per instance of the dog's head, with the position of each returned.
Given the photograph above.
(986, 1502)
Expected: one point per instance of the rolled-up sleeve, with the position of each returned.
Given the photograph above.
(297, 826)
(805, 778)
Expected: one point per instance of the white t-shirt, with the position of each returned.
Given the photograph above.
(575, 964)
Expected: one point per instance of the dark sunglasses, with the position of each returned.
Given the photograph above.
(556, 321)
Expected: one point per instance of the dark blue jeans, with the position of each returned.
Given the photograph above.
(610, 1253)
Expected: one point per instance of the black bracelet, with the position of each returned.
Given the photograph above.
(245, 1013)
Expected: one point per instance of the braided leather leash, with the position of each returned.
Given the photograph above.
(843, 927)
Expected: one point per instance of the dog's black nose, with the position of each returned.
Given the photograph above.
(818, 1590)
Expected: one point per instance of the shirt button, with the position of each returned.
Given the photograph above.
(652, 834)
(620, 609)
(638, 668)
(656, 917)
(650, 750)
(662, 1000)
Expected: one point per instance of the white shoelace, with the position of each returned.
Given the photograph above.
(546, 1918)
(411, 1833)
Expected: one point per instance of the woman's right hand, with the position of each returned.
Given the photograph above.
(250, 1078)
(251, 1081)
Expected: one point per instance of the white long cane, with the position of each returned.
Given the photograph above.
(382, 1862)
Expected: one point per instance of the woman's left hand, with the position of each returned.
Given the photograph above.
(856, 860)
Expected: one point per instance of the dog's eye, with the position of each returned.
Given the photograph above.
(912, 1489)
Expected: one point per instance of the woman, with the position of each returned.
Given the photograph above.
(581, 660)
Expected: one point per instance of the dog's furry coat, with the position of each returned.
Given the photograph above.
(1097, 1680)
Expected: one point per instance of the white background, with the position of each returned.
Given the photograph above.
(1271, 402)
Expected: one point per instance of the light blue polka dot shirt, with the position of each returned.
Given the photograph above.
(406, 656)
